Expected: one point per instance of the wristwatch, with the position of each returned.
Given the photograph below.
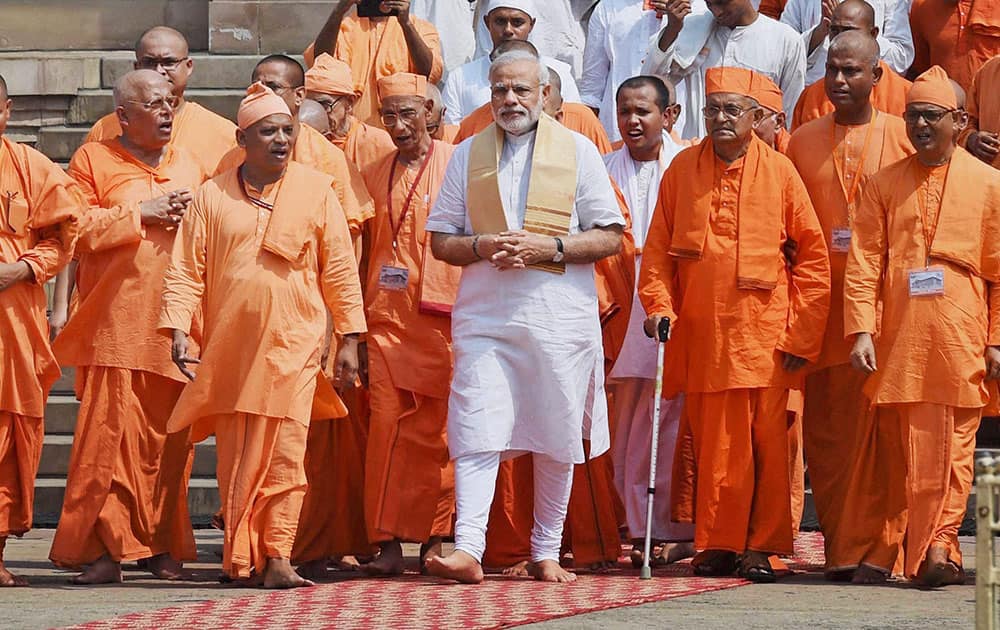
(559, 251)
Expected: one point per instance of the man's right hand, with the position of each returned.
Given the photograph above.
(675, 10)
(652, 324)
(863, 354)
(984, 145)
(179, 353)
(167, 210)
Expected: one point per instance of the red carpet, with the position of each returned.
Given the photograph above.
(420, 602)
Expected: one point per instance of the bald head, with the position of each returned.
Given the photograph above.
(857, 45)
(145, 109)
(161, 36)
(313, 114)
(165, 50)
(135, 85)
(435, 111)
(853, 15)
(5, 106)
(959, 93)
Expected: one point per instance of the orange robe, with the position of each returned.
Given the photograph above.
(958, 35)
(448, 133)
(929, 349)
(201, 132)
(983, 104)
(888, 95)
(126, 493)
(41, 233)
(312, 149)
(576, 116)
(728, 341)
(270, 276)
(841, 431)
(376, 48)
(409, 480)
(772, 8)
(364, 144)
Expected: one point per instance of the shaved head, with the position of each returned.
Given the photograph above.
(313, 114)
(144, 105)
(161, 36)
(4, 95)
(5, 106)
(285, 76)
(165, 50)
(959, 93)
(853, 15)
(135, 85)
(292, 69)
(856, 44)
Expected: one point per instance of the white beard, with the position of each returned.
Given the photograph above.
(523, 123)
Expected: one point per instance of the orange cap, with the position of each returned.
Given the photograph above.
(260, 102)
(330, 76)
(402, 84)
(732, 80)
(766, 92)
(933, 87)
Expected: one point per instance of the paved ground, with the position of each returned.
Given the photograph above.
(798, 602)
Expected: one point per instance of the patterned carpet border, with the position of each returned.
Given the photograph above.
(413, 601)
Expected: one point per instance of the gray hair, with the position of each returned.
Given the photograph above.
(515, 56)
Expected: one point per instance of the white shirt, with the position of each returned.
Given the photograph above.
(529, 373)
(467, 88)
(639, 183)
(618, 37)
(892, 17)
(765, 46)
(557, 33)
(453, 21)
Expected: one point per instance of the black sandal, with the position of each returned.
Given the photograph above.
(759, 574)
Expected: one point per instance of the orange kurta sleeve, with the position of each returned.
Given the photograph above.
(338, 273)
(865, 263)
(184, 282)
(102, 228)
(993, 336)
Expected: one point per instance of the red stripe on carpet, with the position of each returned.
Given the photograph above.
(413, 601)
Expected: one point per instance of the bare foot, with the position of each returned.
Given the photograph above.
(103, 571)
(389, 560)
(940, 571)
(9, 579)
(519, 569)
(550, 571)
(280, 574)
(428, 550)
(313, 570)
(459, 566)
(675, 552)
(345, 563)
(165, 567)
(868, 575)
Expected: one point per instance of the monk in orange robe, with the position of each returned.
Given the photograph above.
(126, 493)
(745, 322)
(844, 442)
(958, 35)
(924, 244)
(376, 47)
(264, 252)
(38, 226)
(771, 128)
(436, 126)
(328, 82)
(889, 94)
(409, 481)
(982, 136)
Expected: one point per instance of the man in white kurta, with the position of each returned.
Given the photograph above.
(467, 88)
(558, 34)
(527, 342)
(892, 17)
(731, 34)
(644, 104)
(453, 20)
(618, 37)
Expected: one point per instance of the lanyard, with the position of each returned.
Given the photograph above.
(260, 203)
(396, 227)
(851, 189)
(930, 231)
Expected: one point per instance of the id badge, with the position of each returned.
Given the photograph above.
(840, 240)
(926, 282)
(393, 278)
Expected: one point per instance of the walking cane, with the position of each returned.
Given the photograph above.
(662, 334)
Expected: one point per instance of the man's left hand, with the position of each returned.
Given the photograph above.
(792, 363)
(345, 369)
(12, 273)
(992, 362)
(518, 249)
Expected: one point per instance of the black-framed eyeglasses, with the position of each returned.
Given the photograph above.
(168, 64)
(158, 104)
(732, 112)
(931, 116)
(389, 119)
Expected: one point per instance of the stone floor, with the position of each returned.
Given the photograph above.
(797, 602)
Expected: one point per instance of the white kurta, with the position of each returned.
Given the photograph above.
(632, 377)
(529, 373)
(618, 37)
(557, 33)
(467, 88)
(453, 21)
(765, 46)
(892, 17)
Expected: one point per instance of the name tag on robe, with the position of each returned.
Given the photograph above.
(393, 278)
(927, 281)
(840, 240)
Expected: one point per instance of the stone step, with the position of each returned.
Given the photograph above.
(90, 105)
(264, 26)
(65, 383)
(59, 142)
(203, 500)
(60, 414)
(56, 451)
(210, 71)
(98, 24)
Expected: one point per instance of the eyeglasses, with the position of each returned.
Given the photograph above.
(931, 116)
(149, 63)
(389, 119)
(158, 104)
(520, 90)
(732, 112)
(278, 89)
(329, 105)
